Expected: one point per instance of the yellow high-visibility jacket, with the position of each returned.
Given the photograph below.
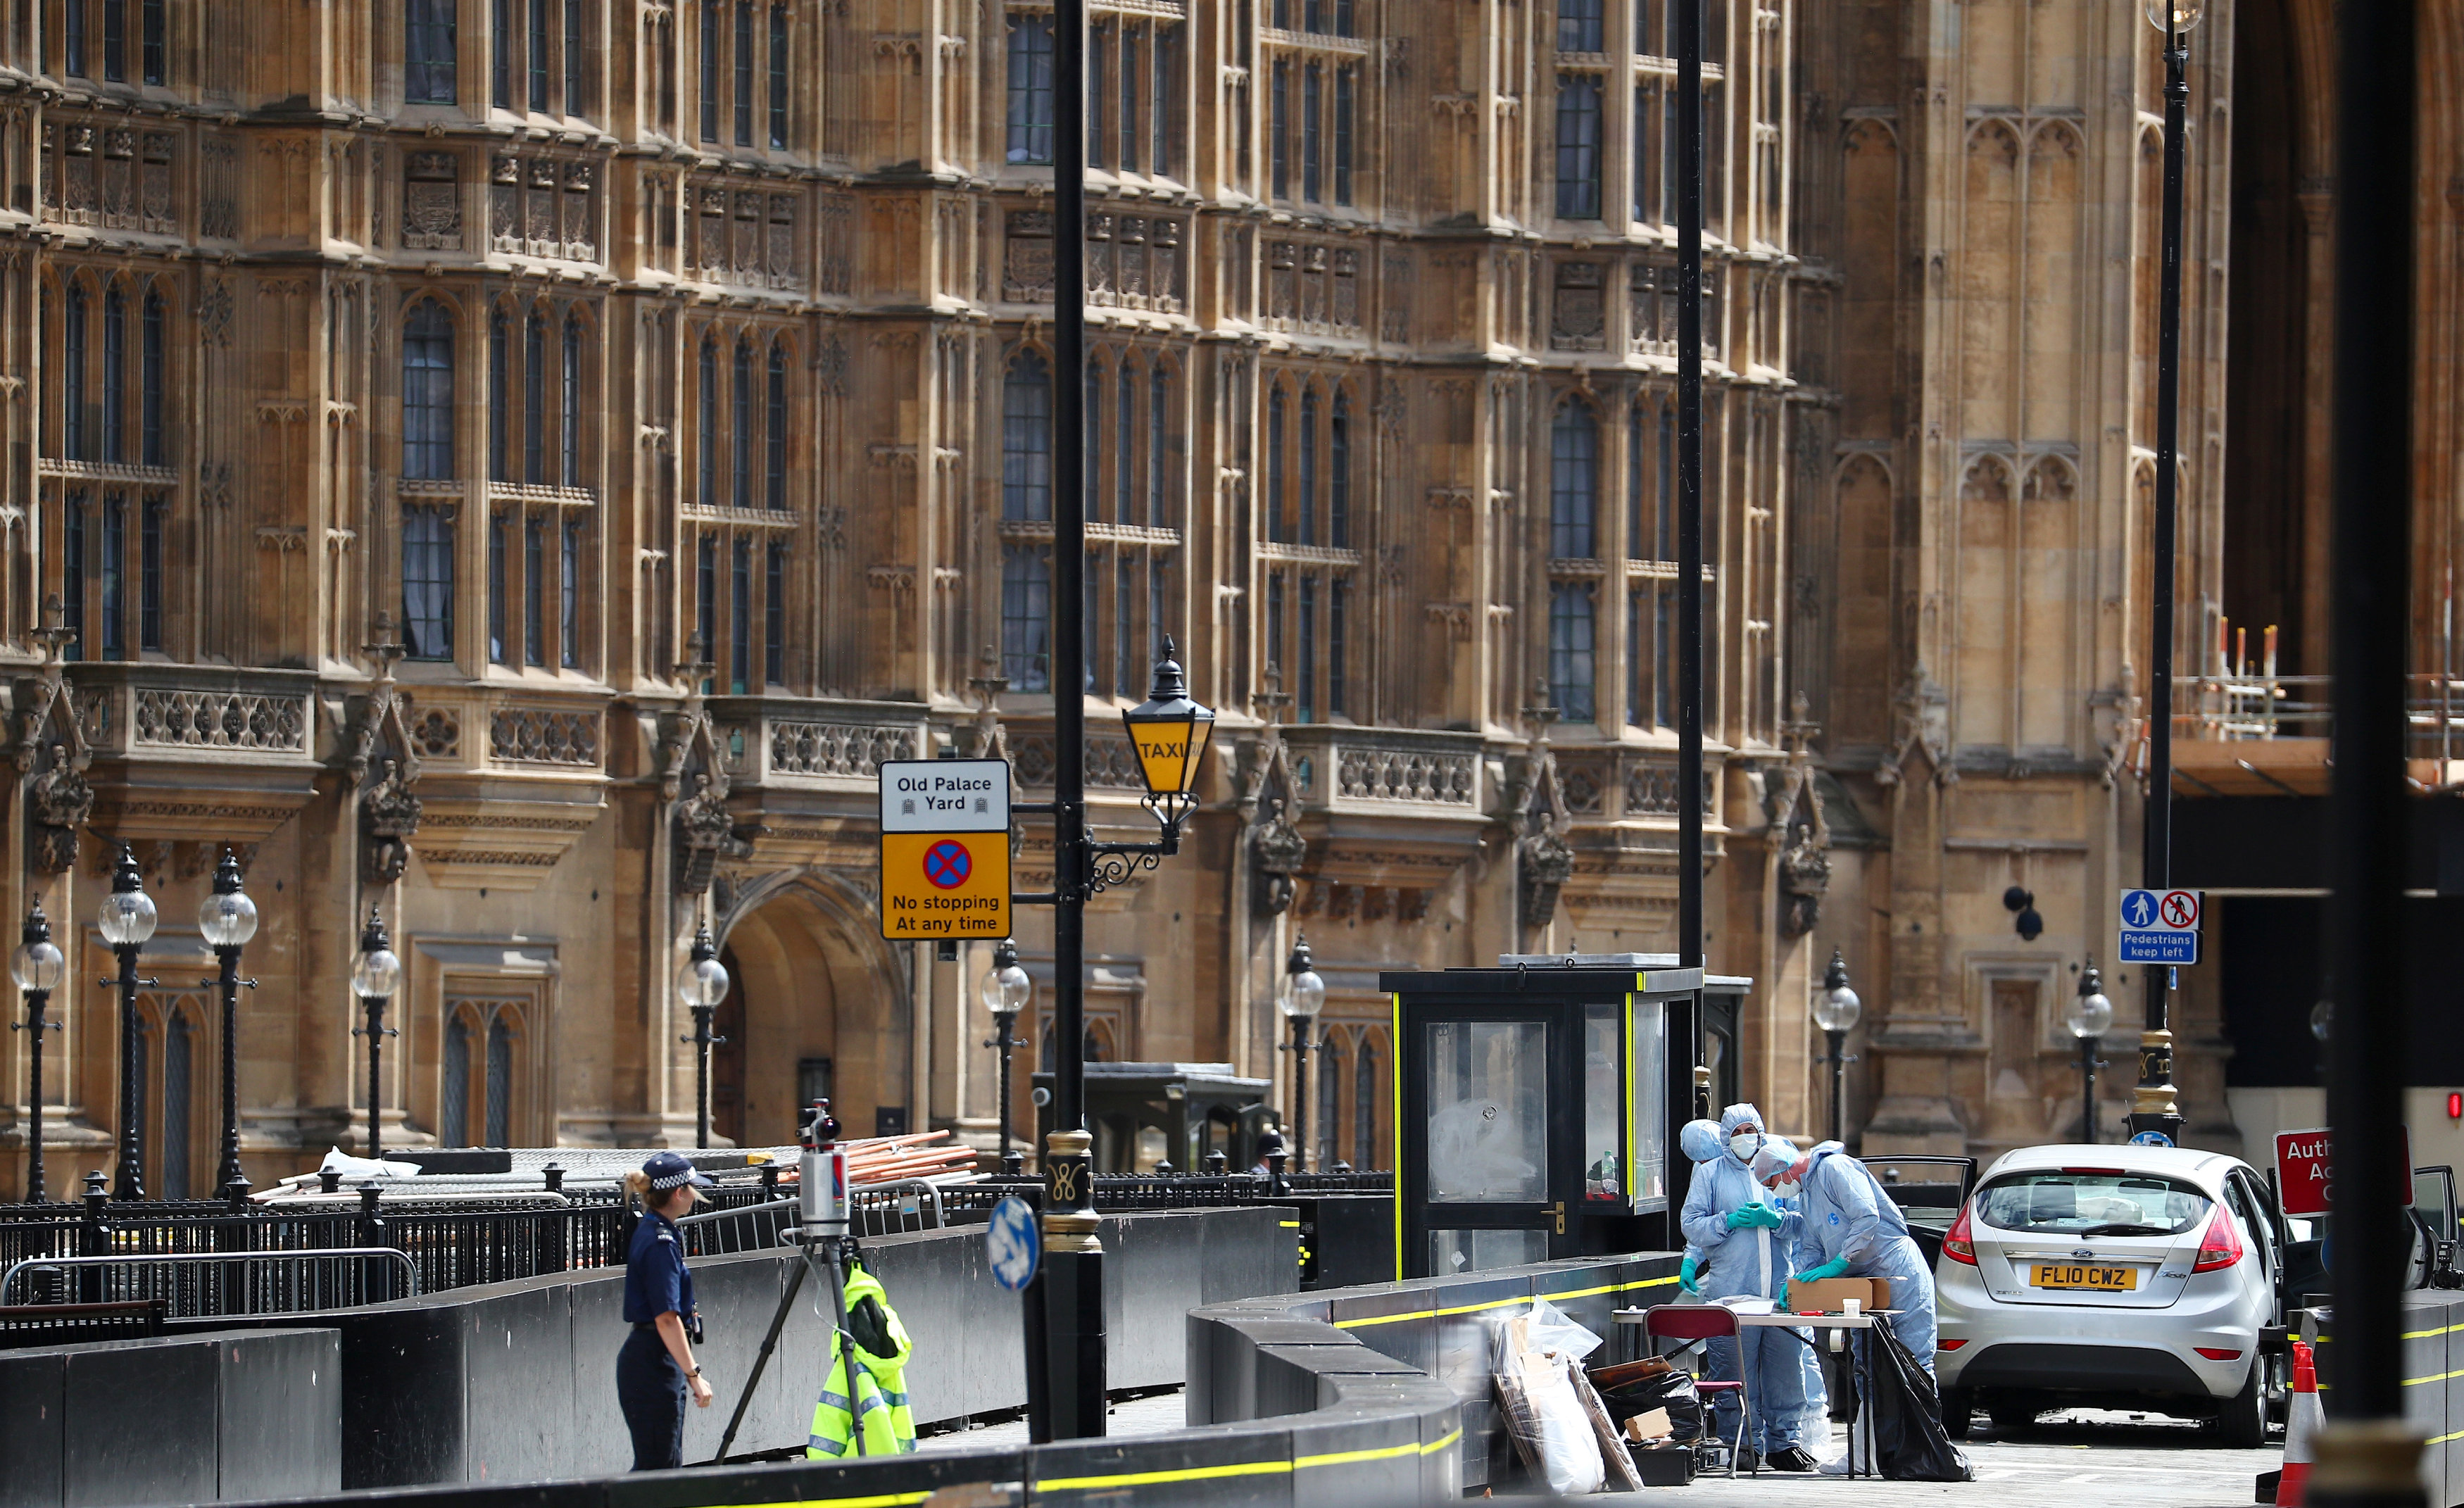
(878, 1396)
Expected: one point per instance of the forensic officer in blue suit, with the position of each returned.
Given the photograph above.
(1745, 1239)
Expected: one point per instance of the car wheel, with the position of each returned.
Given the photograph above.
(1958, 1408)
(2013, 1416)
(2243, 1424)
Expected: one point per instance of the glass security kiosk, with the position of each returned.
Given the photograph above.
(1537, 1106)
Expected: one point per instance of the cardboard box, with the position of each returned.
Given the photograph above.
(1828, 1295)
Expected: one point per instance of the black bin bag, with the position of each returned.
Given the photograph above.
(1906, 1412)
(1635, 1388)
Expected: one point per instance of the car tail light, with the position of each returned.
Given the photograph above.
(1959, 1246)
(2220, 1247)
(2216, 1353)
(1952, 1346)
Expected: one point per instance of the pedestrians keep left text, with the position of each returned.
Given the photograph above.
(945, 849)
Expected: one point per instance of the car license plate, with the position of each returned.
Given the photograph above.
(2110, 1279)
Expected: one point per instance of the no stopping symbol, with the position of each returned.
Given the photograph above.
(947, 864)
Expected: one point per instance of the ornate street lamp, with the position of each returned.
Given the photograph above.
(702, 985)
(1169, 733)
(1007, 990)
(127, 922)
(376, 973)
(37, 966)
(229, 920)
(2154, 1107)
(1835, 1011)
(2089, 1015)
(1303, 992)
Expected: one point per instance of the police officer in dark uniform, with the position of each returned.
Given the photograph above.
(655, 1368)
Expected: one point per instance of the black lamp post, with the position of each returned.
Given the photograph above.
(2090, 1013)
(1007, 990)
(2153, 1107)
(127, 922)
(1835, 1011)
(229, 920)
(701, 986)
(37, 966)
(376, 973)
(1303, 992)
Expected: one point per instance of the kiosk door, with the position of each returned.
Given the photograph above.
(1495, 1117)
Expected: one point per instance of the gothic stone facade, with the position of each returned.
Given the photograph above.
(519, 466)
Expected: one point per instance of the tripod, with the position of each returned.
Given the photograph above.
(828, 1254)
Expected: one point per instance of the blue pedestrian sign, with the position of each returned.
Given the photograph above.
(2159, 926)
(1013, 1244)
(2151, 1139)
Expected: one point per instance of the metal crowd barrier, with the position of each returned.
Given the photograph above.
(193, 1285)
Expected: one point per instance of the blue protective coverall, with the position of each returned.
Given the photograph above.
(1752, 1261)
(1848, 1215)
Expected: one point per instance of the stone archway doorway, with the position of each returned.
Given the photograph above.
(816, 1005)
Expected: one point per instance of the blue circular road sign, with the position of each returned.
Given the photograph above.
(1013, 1244)
(2151, 1139)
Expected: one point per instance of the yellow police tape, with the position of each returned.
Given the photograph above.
(1500, 1303)
(1191, 1473)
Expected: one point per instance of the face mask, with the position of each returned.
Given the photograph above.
(1743, 1144)
(1785, 1188)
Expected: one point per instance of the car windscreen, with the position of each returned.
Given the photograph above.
(2057, 1201)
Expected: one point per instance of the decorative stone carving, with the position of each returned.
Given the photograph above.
(1026, 256)
(1544, 861)
(59, 802)
(381, 735)
(431, 203)
(1277, 850)
(1580, 320)
(388, 819)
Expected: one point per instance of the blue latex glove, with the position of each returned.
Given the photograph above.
(1830, 1269)
(1685, 1272)
(1748, 1216)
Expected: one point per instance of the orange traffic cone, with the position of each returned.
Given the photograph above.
(2301, 1421)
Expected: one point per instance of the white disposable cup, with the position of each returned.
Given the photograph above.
(1852, 1307)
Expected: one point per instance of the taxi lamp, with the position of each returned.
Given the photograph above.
(1169, 733)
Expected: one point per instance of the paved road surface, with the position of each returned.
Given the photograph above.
(2080, 1458)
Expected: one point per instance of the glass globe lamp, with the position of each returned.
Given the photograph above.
(2173, 17)
(127, 914)
(1303, 989)
(1006, 987)
(704, 980)
(37, 964)
(1836, 1006)
(376, 973)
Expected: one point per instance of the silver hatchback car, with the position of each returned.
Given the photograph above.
(2113, 1276)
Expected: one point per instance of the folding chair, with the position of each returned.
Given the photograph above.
(1708, 1321)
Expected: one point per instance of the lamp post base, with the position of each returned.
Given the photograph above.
(1067, 1352)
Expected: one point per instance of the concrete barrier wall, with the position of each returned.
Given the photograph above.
(2432, 1327)
(1255, 1359)
(194, 1419)
(516, 1382)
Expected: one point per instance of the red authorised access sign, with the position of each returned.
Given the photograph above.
(2301, 1171)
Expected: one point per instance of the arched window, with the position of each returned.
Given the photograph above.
(153, 451)
(1125, 470)
(1026, 441)
(1327, 1116)
(1276, 529)
(428, 393)
(775, 425)
(500, 1082)
(500, 395)
(1570, 630)
(179, 1069)
(1027, 617)
(535, 398)
(454, 1094)
(740, 440)
(73, 350)
(706, 443)
(1158, 458)
(115, 376)
(1308, 469)
(1338, 465)
(569, 405)
(1094, 444)
(1574, 482)
(1364, 1103)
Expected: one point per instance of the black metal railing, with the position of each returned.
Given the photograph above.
(461, 1240)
